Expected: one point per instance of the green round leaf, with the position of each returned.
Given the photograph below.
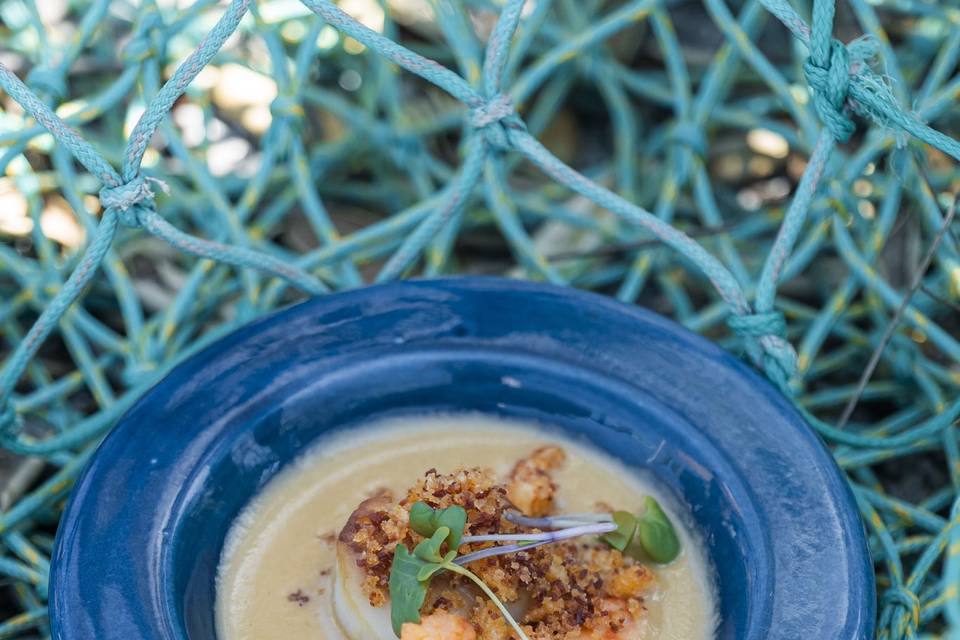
(455, 519)
(425, 521)
(429, 550)
(657, 535)
(421, 519)
(626, 528)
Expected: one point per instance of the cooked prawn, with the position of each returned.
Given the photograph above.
(531, 487)
(439, 626)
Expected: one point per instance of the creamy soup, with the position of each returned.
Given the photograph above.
(278, 566)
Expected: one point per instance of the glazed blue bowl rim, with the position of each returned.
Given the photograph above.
(105, 575)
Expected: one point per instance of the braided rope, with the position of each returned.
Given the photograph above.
(513, 88)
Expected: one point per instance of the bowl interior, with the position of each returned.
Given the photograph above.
(138, 546)
(599, 410)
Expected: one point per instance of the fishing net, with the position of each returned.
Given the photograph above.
(775, 175)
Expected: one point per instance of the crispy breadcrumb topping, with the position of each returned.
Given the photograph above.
(571, 590)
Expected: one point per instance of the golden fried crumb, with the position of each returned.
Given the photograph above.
(439, 626)
(631, 582)
(531, 487)
(614, 619)
(572, 590)
(373, 531)
(379, 523)
(476, 490)
(492, 624)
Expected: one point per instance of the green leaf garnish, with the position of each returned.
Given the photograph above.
(425, 521)
(626, 528)
(421, 519)
(649, 537)
(407, 591)
(656, 533)
(429, 549)
(426, 572)
(410, 574)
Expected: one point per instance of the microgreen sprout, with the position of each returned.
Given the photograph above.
(527, 541)
(410, 574)
(426, 521)
(650, 535)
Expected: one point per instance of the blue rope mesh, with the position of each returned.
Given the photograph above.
(383, 145)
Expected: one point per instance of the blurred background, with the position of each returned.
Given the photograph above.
(299, 142)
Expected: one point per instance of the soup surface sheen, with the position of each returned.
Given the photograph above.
(276, 569)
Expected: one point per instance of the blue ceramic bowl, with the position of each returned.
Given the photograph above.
(137, 550)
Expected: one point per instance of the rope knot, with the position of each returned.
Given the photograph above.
(830, 82)
(131, 198)
(690, 136)
(49, 81)
(284, 106)
(495, 118)
(907, 604)
(757, 325)
(768, 332)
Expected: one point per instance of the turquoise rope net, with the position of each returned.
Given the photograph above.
(774, 175)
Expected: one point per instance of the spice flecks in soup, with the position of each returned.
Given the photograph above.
(284, 574)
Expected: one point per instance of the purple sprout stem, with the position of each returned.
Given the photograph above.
(532, 540)
(557, 522)
(498, 551)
